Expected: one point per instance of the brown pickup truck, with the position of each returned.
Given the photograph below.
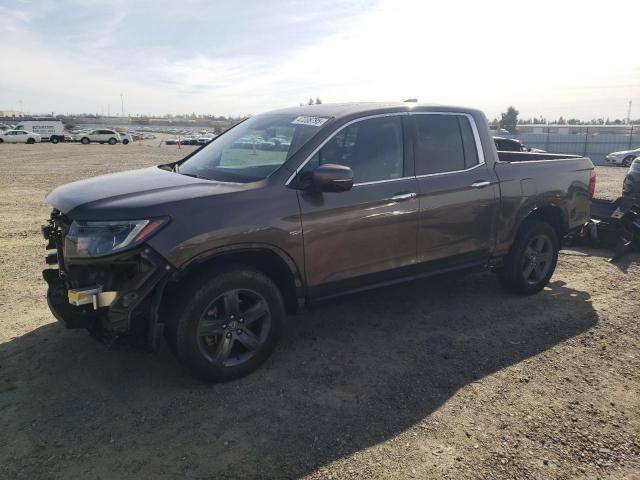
(297, 205)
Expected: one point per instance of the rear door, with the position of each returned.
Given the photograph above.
(457, 192)
(368, 234)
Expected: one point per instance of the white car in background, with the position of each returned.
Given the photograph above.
(19, 136)
(99, 136)
(126, 138)
(623, 158)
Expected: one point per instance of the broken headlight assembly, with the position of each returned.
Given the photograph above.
(88, 239)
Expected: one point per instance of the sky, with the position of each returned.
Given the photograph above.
(572, 58)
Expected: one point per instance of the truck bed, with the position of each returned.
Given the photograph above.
(531, 156)
(531, 180)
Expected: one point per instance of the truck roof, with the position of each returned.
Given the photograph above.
(339, 110)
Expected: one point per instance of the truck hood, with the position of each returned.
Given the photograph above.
(133, 194)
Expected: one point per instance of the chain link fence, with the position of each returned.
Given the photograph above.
(593, 141)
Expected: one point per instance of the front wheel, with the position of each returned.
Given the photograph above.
(628, 160)
(125, 142)
(85, 141)
(532, 260)
(226, 326)
(112, 141)
(54, 140)
(31, 141)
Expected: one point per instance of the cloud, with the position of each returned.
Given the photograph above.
(248, 56)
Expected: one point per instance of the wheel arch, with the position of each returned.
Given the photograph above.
(551, 214)
(269, 260)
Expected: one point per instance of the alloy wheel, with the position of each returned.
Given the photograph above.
(233, 328)
(537, 259)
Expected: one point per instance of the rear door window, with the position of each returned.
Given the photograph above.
(439, 146)
(468, 142)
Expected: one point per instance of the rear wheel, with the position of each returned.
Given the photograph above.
(54, 140)
(532, 259)
(112, 141)
(31, 141)
(125, 142)
(226, 326)
(85, 141)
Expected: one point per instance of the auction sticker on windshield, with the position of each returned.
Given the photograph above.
(313, 121)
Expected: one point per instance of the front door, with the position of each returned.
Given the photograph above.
(457, 192)
(367, 234)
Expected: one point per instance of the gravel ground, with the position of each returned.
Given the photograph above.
(447, 380)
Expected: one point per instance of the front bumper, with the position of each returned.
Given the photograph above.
(134, 281)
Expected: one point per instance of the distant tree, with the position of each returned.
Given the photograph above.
(310, 102)
(318, 101)
(509, 120)
(574, 121)
(561, 121)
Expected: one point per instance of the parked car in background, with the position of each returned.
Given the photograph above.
(631, 184)
(204, 140)
(513, 145)
(171, 141)
(99, 136)
(48, 129)
(623, 158)
(19, 136)
(189, 140)
(215, 249)
(126, 138)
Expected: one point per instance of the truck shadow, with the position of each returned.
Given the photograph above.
(348, 375)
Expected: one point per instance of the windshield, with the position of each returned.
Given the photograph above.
(253, 149)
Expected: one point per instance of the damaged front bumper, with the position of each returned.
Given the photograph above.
(110, 296)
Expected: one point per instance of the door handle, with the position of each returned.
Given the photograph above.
(400, 197)
(480, 184)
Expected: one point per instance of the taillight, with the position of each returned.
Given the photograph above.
(592, 184)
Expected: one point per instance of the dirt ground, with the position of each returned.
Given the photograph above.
(446, 380)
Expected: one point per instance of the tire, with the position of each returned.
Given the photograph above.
(628, 160)
(54, 140)
(112, 141)
(221, 305)
(1, 140)
(85, 141)
(532, 259)
(125, 142)
(31, 141)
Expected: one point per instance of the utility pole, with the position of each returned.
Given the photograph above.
(629, 113)
(122, 103)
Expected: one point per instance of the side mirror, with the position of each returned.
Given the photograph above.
(329, 177)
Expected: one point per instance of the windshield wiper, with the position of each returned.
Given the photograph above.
(194, 175)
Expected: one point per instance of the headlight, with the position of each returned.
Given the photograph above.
(96, 239)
